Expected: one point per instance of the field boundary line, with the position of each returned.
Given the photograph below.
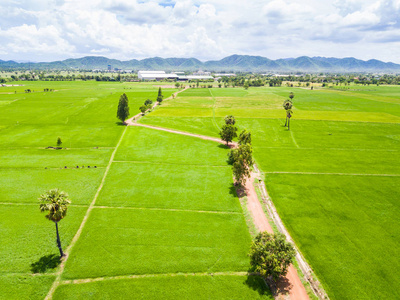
(213, 110)
(87, 280)
(57, 281)
(294, 141)
(169, 209)
(337, 149)
(340, 174)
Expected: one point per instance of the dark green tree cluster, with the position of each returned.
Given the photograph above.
(147, 105)
(241, 158)
(123, 108)
(228, 130)
(271, 255)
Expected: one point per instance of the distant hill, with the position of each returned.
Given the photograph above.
(233, 63)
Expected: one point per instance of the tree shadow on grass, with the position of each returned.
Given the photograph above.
(223, 146)
(237, 190)
(45, 263)
(256, 283)
(120, 123)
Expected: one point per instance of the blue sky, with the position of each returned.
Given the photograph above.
(47, 30)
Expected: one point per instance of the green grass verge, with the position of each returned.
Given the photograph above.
(175, 287)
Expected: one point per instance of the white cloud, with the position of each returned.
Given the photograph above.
(29, 38)
(212, 29)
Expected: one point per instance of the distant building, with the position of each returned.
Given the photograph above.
(161, 75)
(156, 75)
(109, 68)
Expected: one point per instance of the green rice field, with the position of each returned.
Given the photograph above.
(156, 213)
(334, 177)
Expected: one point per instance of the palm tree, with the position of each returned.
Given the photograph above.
(287, 105)
(56, 203)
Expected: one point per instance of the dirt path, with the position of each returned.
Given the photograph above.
(291, 287)
(204, 137)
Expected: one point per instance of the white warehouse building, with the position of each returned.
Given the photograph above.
(155, 75)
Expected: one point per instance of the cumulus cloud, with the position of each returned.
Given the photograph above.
(126, 29)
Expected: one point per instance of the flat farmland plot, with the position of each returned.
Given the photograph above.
(198, 125)
(137, 241)
(347, 227)
(22, 185)
(25, 242)
(168, 287)
(27, 287)
(149, 145)
(48, 158)
(172, 186)
(28, 246)
(148, 202)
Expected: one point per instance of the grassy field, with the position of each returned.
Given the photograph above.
(334, 177)
(168, 209)
(167, 205)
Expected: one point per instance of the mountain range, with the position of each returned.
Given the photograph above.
(233, 63)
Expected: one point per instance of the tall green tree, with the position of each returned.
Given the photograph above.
(159, 96)
(230, 120)
(123, 108)
(287, 104)
(242, 162)
(228, 133)
(55, 203)
(245, 137)
(271, 255)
